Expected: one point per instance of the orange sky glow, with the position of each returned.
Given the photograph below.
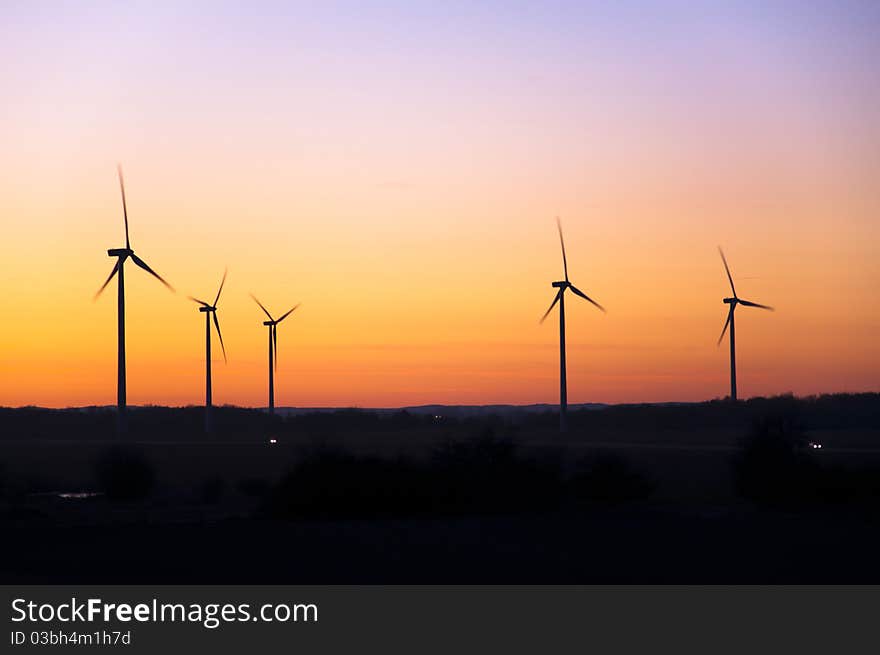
(400, 179)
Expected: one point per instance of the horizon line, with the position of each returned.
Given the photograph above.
(549, 404)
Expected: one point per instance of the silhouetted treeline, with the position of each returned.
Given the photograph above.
(828, 411)
(776, 467)
(841, 411)
(481, 475)
(187, 423)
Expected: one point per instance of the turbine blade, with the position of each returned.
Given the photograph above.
(140, 262)
(585, 296)
(266, 311)
(288, 313)
(552, 305)
(124, 207)
(222, 282)
(107, 281)
(201, 302)
(727, 268)
(275, 344)
(219, 334)
(562, 243)
(748, 303)
(726, 323)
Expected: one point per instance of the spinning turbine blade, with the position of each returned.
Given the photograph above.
(222, 282)
(266, 311)
(201, 302)
(726, 323)
(275, 344)
(727, 268)
(124, 208)
(552, 305)
(219, 334)
(585, 296)
(107, 281)
(287, 314)
(562, 243)
(140, 262)
(748, 303)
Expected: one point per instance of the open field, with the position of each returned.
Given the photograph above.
(478, 500)
(635, 545)
(684, 470)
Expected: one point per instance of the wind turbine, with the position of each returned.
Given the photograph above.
(121, 255)
(273, 348)
(210, 311)
(563, 286)
(733, 302)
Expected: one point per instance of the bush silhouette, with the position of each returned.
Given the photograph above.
(253, 487)
(212, 490)
(609, 478)
(474, 476)
(328, 484)
(773, 466)
(124, 473)
(487, 474)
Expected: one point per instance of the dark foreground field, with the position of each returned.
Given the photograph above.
(710, 493)
(654, 545)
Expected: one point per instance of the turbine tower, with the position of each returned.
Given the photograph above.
(733, 302)
(210, 312)
(122, 254)
(563, 286)
(272, 324)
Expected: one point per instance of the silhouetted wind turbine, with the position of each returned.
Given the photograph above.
(121, 255)
(273, 348)
(564, 285)
(733, 302)
(210, 311)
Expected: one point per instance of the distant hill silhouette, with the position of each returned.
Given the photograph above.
(451, 411)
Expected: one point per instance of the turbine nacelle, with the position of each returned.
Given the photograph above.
(565, 285)
(733, 301)
(562, 286)
(206, 308)
(123, 254)
(272, 324)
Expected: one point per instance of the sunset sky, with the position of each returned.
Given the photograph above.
(397, 170)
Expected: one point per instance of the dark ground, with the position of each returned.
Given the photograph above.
(222, 510)
(634, 545)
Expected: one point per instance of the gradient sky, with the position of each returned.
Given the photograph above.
(397, 170)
